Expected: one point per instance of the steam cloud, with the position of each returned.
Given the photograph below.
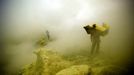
(27, 20)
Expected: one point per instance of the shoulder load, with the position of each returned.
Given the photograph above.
(103, 29)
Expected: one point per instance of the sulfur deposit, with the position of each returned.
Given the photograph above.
(47, 63)
(52, 63)
(76, 70)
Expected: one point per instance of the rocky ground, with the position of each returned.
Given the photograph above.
(52, 63)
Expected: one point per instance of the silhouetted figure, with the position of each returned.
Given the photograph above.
(96, 32)
(48, 36)
(95, 39)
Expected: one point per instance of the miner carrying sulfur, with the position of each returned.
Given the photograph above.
(95, 32)
(95, 39)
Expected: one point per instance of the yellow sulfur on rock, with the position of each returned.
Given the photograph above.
(47, 63)
(76, 70)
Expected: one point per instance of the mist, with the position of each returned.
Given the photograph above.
(27, 20)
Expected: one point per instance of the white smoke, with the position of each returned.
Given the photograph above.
(26, 20)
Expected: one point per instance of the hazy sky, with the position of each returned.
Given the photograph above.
(63, 18)
(26, 20)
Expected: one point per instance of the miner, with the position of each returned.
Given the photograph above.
(96, 32)
(95, 39)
